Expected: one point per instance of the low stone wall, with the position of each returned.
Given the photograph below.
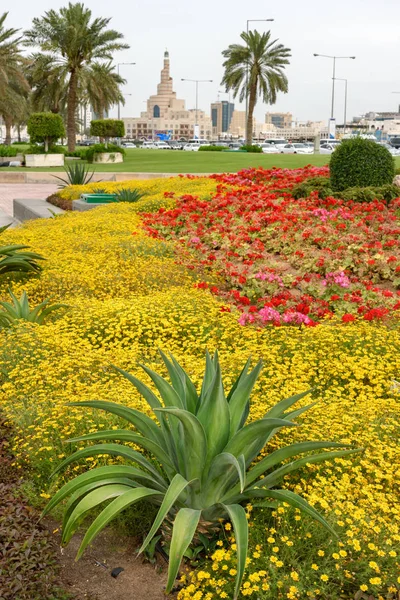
(47, 177)
(44, 160)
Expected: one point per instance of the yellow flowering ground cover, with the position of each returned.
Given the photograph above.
(127, 298)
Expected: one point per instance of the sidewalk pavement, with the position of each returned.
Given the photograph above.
(10, 191)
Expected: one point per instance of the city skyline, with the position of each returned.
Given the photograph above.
(195, 46)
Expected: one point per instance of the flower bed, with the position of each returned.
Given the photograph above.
(286, 261)
(128, 297)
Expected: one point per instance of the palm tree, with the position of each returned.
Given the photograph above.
(256, 69)
(49, 83)
(102, 86)
(74, 41)
(13, 84)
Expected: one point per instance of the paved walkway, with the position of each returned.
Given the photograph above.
(9, 191)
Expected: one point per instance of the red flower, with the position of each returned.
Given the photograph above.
(348, 318)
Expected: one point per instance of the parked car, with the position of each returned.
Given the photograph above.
(86, 143)
(278, 142)
(175, 145)
(269, 148)
(235, 146)
(149, 146)
(128, 145)
(194, 145)
(395, 142)
(297, 149)
(161, 145)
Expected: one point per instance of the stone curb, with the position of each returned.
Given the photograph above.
(46, 177)
(28, 209)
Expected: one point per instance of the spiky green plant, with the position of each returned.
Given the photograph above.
(129, 195)
(204, 453)
(14, 260)
(20, 310)
(77, 174)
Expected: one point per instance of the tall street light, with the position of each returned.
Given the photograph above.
(118, 66)
(197, 81)
(247, 67)
(345, 101)
(334, 58)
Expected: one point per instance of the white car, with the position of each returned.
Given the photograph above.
(327, 148)
(128, 145)
(149, 146)
(269, 148)
(297, 149)
(393, 151)
(279, 143)
(194, 145)
(162, 146)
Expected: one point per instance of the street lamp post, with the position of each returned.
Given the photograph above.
(345, 101)
(247, 66)
(197, 81)
(119, 104)
(334, 58)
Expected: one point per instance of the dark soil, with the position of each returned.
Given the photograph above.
(60, 202)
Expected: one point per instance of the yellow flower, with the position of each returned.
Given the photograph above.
(324, 577)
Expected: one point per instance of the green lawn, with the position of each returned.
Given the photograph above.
(175, 161)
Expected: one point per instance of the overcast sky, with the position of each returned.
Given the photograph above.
(195, 33)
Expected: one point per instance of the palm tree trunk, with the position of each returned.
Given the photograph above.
(252, 103)
(101, 116)
(19, 133)
(71, 115)
(8, 124)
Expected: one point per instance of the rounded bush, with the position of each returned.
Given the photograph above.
(361, 163)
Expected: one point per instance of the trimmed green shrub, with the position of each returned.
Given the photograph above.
(387, 193)
(251, 148)
(211, 148)
(322, 185)
(101, 148)
(45, 128)
(40, 150)
(107, 128)
(8, 150)
(361, 163)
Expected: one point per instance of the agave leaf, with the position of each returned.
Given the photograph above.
(209, 372)
(142, 388)
(185, 526)
(79, 494)
(277, 475)
(124, 435)
(286, 452)
(143, 423)
(239, 401)
(177, 485)
(237, 515)
(112, 510)
(213, 414)
(252, 438)
(90, 500)
(98, 474)
(177, 383)
(167, 392)
(279, 408)
(113, 450)
(192, 399)
(293, 414)
(223, 469)
(297, 502)
(193, 446)
(242, 374)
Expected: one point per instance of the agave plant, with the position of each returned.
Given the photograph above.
(16, 259)
(129, 195)
(20, 310)
(77, 174)
(204, 453)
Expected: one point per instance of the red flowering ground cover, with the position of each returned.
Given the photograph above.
(281, 260)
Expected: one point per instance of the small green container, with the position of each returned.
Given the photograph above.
(98, 198)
